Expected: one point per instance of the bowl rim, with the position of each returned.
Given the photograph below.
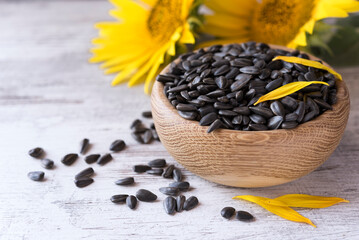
(342, 95)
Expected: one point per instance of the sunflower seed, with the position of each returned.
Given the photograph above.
(257, 119)
(208, 119)
(227, 212)
(309, 116)
(157, 163)
(146, 196)
(275, 122)
(170, 205)
(88, 172)
(156, 171)
(83, 182)
(244, 216)
(300, 111)
(147, 136)
(120, 198)
(215, 125)
(69, 159)
(141, 168)
(322, 103)
(188, 115)
(36, 176)
(265, 112)
(125, 181)
(84, 145)
(180, 200)
(274, 84)
(131, 202)
(117, 145)
(47, 163)
(177, 175)
(205, 110)
(169, 171)
(258, 127)
(289, 125)
(104, 159)
(250, 70)
(290, 117)
(92, 158)
(190, 203)
(289, 103)
(147, 114)
(241, 81)
(277, 108)
(186, 107)
(182, 186)
(137, 137)
(36, 152)
(172, 191)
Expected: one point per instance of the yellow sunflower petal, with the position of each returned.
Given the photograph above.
(286, 90)
(309, 63)
(187, 36)
(307, 201)
(282, 211)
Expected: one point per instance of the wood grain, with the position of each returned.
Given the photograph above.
(250, 159)
(51, 97)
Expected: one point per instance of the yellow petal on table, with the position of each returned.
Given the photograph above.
(308, 63)
(286, 90)
(281, 211)
(307, 201)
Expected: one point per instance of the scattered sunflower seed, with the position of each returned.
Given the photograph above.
(69, 159)
(36, 152)
(36, 176)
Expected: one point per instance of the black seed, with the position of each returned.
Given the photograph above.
(258, 127)
(257, 119)
(180, 200)
(47, 163)
(222, 106)
(155, 135)
(322, 103)
(164, 78)
(186, 107)
(137, 137)
(197, 103)
(312, 105)
(36, 152)
(140, 128)
(228, 113)
(221, 70)
(275, 65)
(117, 145)
(36, 176)
(88, 172)
(147, 136)
(237, 120)
(265, 73)
(310, 76)
(172, 191)
(131, 202)
(188, 115)
(309, 116)
(275, 122)
(250, 70)
(300, 67)
(289, 125)
(215, 125)
(147, 114)
(277, 108)
(208, 119)
(92, 158)
(290, 117)
(244, 216)
(178, 89)
(104, 159)
(190, 203)
(221, 82)
(145, 195)
(240, 62)
(216, 93)
(193, 94)
(265, 112)
(227, 122)
(205, 98)
(141, 168)
(182, 186)
(242, 110)
(227, 212)
(274, 84)
(232, 73)
(157, 163)
(120, 198)
(125, 181)
(83, 182)
(241, 81)
(220, 63)
(289, 103)
(177, 175)
(205, 110)
(170, 205)
(300, 111)
(169, 171)
(84, 145)
(156, 171)
(69, 159)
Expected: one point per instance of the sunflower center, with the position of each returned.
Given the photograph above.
(279, 21)
(165, 18)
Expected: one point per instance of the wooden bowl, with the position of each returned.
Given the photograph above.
(254, 158)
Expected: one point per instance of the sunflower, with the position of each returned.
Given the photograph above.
(282, 22)
(143, 37)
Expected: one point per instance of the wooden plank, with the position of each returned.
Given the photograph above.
(51, 97)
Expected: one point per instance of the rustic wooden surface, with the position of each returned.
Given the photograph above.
(250, 159)
(51, 97)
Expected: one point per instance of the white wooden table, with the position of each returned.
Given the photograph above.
(51, 97)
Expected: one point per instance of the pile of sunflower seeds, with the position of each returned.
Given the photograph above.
(218, 87)
(154, 167)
